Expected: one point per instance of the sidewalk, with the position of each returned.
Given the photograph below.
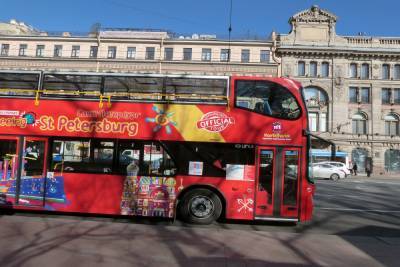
(33, 241)
(375, 176)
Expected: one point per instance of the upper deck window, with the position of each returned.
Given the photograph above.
(67, 85)
(187, 89)
(18, 84)
(131, 87)
(196, 88)
(267, 98)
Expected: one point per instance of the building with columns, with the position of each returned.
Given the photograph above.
(352, 83)
(352, 87)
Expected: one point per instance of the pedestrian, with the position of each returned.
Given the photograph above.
(368, 170)
(355, 167)
(350, 167)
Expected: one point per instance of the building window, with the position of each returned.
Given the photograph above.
(353, 94)
(391, 124)
(22, 50)
(93, 51)
(131, 52)
(317, 104)
(40, 50)
(365, 71)
(361, 95)
(385, 71)
(168, 53)
(57, 51)
(392, 159)
(315, 97)
(359, 123)
(323, 122)
(112, 52)
(396, 96)
(245, 55)
(353, 70)
(313, 69)
(206, 54)
(365, 95)
(224, 55)
(396, 73)
(386, 92)
(312, 121)
(325, 69)
(301, 68)
(359, 155)
(317, 121)
(75, 51)
(187, 53)
(264, 56)
(150, 53)
(5, 48)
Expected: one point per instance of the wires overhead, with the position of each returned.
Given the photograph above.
(230, 31)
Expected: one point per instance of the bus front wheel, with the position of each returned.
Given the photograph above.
(200, 206)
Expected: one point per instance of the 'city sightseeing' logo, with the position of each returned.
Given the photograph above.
(215, 121)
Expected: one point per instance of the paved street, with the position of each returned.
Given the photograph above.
(356, 223)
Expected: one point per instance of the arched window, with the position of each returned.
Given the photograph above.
(391, 124)
(365, 71)
(317, 104)
(315, 97)
(301, 68)
(359, 123)
(359, 156)
(392, 160)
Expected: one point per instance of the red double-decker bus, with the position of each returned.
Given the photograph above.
(203, 147)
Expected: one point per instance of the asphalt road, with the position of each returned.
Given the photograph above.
(351, 206)
(356, 223)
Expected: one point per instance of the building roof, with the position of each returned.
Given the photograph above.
(17, 28)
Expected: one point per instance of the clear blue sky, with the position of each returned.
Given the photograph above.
(255, 17)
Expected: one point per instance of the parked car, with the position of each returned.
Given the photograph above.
(338, 164)
(323, 170)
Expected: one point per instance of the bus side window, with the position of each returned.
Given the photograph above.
(129, 154)
(157, 162)
(85, 156)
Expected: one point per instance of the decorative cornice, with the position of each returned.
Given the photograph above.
(337, 52)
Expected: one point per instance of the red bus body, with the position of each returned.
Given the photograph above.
(24, 121)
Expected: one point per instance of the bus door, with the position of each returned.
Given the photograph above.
(277, 187)
(8, 169)
(31, 179)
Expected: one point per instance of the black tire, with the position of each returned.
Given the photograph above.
(335, 177)
(200, 206)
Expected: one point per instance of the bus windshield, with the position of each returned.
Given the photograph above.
(267, 98)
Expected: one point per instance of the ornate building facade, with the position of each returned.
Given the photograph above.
(352, 87)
